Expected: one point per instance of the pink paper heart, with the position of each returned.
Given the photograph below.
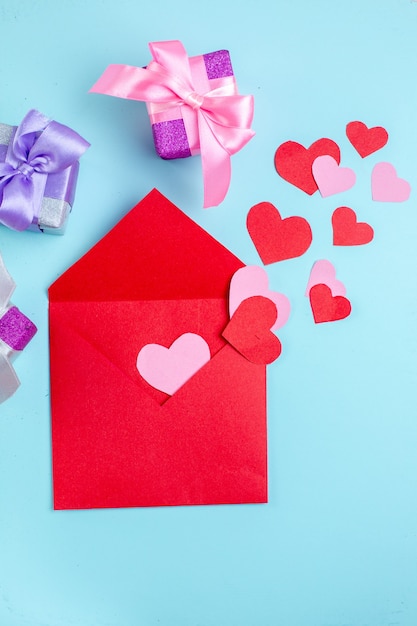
(167, 369)
(387, 186)
(252, 280)
(331, 178)
(324, 273)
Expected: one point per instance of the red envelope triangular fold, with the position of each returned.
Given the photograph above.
(131, 325)
(155, 252)
(116, 442)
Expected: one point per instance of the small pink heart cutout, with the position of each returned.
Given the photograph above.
(331, 178)
(252, 280)
(324, 272)
(387, 186)
(167, 369)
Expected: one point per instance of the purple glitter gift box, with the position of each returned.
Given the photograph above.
(175, 131)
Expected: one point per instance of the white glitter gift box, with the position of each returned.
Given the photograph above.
(16, 330)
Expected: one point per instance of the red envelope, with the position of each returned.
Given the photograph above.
(117, 441)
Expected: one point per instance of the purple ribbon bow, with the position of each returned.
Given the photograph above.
(40, 147)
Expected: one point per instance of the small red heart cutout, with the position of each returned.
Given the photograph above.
(249, 330)
(366, 140)
(326, 307)
(293, 162)
(347, 231)
(275, 238)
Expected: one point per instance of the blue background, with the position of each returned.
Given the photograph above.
(337, 543)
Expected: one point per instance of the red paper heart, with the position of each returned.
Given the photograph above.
(328, 308)
(275, 238)
(293, 162)
(347, 231)
(366, 140)
(249, 330)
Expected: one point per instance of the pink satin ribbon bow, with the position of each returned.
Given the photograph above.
(223, 118)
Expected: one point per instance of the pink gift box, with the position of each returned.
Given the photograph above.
(174, 128)
(194, 108)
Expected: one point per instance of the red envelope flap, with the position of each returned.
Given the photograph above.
(120, 329)
(155, 252)
(114, 446)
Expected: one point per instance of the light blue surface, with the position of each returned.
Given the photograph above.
(337, 543)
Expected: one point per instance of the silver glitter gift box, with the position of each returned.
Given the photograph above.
(59, 191)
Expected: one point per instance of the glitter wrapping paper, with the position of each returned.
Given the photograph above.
(59, 191)
(16, 330)
(175, 135)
